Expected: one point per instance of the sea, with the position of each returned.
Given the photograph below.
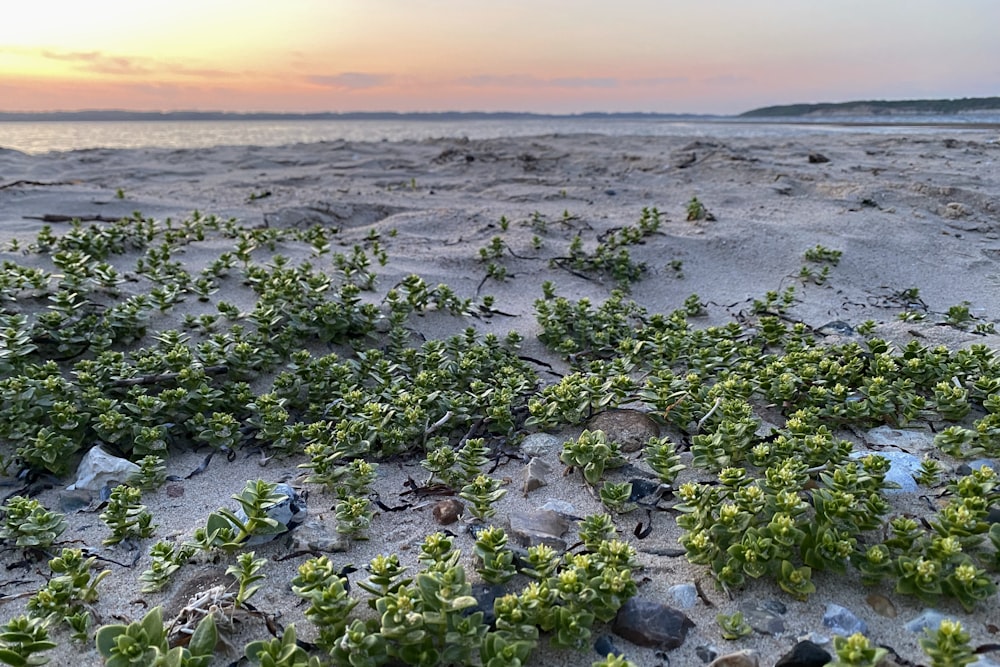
(50, 136)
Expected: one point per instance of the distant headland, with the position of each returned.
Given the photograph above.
(880, 108)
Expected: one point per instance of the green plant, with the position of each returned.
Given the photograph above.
(856, 651)
(496, 560)
(226, 530)
(354, 516)
(948, 646)
(697, 211)
(21, 638)
(733, 626)
(67, 596)
(151, 475)
(29, 525)
(325, 590)
(661, 456)
(143, 643)
(592, 453)
(616, 496)
(165, 560)
(247, 572)
(125, 516)
(283, 652)
(612, 660)
(482, 492)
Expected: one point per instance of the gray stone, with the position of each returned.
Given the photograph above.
(98, 469)
(290, 512)
(744, 658)
(561, 507)
(684, 596)
(540, 444)
(605, 646)
(631, 429)
(645, 622)
(313, 535)
(842, 621)
(706, 653)
(448, 511)
(902, 468)
(903, 438)
(763, 617)
(818, 158)
(805, 654)
(534, 474)
(929, 619)
(75, 500)
(541, 527)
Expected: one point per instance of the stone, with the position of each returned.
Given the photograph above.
(631, 429)
(561, 507)
(447, 511)
(540, 527)
(75, 500)
(842, 621)
(486, 595)
(684, 596)
(98, 470)
(818, 158)
(644, 489)
(902, 468)
(902, 438)
(605, 646)
(313, 535)
(706, 653)
(645, 622)
(540, 444)
(290, 512)
(882, 605)
(744, 658)
(805, 654)
(174, 490)
(928, 619)
(763, 617)
(534, 474)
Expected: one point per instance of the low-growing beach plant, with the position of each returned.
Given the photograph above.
(165, 560)
(323, 587)
(248, 572)
(227, 531)
(68, 595)
(948, 645)
(29, 525)
(856, 651)
(22, 641)
(126, 516)
(283, 652)
(145, 643)
(496, 560)
(733, 626)
(482, 493)
(616, 496)
(592, 453)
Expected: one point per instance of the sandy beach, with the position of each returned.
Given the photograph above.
(907, 212)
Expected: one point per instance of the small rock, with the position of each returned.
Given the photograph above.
(902, 468)
(540, 444)
(604, 646)
(968, 467)
(684, 596)
(313, 535)
(541, 527)
(842, 621)
(929, 619)
(290, 512)
(706, 653)
(642, 489)
(561, 507)
(534, 474)
(882, 605)
(647, 623)
(804, 654)
(744, 658)
(954, 210)
(631, 429)
(993, 516)
(99, 469)
(486, 595)
(818, 158)
(174, 490)
(75, 500)
(902, 438)
(836, 328)
(763, 617)
(447, 511)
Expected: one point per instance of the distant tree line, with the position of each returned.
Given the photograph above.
(879, 107)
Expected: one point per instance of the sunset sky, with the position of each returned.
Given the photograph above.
(702, 56)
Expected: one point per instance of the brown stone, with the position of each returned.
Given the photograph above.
(631, 429)
(175, 490)
(448, 511)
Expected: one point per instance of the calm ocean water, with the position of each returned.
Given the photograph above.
(43, 137)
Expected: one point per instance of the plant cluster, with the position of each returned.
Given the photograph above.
(610, 257)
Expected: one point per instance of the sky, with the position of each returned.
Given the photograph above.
(548, 56)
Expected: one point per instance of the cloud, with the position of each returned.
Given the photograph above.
(103, 63)
(575, 82)
(350, 80)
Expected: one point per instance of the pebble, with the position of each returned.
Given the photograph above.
(561, 507)
(486, 595)
(540, 527)
(605, 646)
(534, 474)
(764, 616)
(684, 596)
(175, 490)
(645, 622)
(631, 429)
(313, 535)
(744, 658)
(73, 501)
(447, 511)
(706, 653)
(818, 158)
(842, 621)
(644, 489)
(540, 444)
(882, 605)
(98, 469)
(902, 468)
(929, 618)
(805, 654)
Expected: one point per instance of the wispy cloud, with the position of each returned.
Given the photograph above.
(350, 80)
(575, 82)
(119, 65)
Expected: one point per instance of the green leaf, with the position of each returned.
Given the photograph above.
(205, 637)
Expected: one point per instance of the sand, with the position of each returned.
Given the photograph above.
(917, 210)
